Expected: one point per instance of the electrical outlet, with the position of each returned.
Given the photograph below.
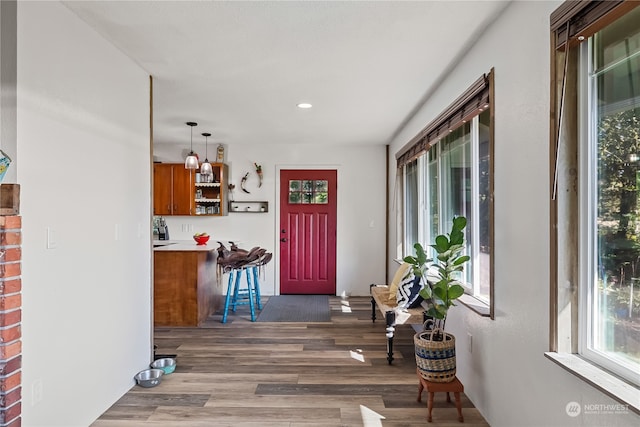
(470, 340)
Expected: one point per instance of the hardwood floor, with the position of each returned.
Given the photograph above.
(247, 373)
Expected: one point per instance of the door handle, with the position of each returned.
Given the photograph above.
(283, 239)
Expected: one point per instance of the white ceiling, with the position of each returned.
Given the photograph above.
(240, 68)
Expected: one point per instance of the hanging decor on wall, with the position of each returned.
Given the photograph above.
(259, 172)
(243, 182)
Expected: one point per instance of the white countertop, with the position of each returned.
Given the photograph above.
(186, 245)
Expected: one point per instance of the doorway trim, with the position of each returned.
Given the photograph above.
(276, 224)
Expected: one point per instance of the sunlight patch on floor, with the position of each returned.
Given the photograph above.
(370, 418)
(346, 308)
(357, 355)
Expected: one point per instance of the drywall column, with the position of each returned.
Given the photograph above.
(10, 307)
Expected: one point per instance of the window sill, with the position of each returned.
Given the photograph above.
(602, 380)
(475, 305)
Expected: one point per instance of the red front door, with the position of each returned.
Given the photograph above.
(308, 213)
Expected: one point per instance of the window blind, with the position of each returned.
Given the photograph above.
(471, 103)
(580, 18)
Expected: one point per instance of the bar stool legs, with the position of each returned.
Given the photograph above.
(237, 296)
(256, 286)
(235, 262)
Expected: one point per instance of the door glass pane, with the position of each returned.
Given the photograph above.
(294, 197)
(615, 313)
(307, 197)
(294, 185)
(321, 185)
(309, 191)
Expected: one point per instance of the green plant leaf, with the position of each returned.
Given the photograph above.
(434, 313)
(440, 293)
(455, 291)
(409, 259)
(442, 244)
(456, 236)
(461, 260)
(460, 222)
(421, 255)
(425, 292)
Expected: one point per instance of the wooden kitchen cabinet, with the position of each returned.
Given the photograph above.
(173, 190)
(210, 193)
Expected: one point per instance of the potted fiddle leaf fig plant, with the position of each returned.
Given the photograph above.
(440, 291)
(435, 349)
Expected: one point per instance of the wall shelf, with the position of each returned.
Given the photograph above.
(249, 207)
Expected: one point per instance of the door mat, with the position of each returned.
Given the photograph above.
(296, 308)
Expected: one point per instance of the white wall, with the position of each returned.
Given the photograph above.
(83, 144)
(361, 202)
(506, 375)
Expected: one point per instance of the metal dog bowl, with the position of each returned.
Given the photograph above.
(149, 377)
(167, 364)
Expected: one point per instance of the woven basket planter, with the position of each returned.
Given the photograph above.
(436, 360)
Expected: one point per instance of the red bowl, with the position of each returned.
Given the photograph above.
(201, 240)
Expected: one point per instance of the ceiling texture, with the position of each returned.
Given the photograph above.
(239, 68)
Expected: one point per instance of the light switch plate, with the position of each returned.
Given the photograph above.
(52, 242)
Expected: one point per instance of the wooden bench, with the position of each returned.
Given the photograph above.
(380, 298)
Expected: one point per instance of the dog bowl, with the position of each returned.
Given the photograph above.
(167, 364)
(149, 377)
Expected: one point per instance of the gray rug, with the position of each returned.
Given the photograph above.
(296, 308)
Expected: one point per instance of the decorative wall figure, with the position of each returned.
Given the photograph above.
(259, 172)
(243, 182)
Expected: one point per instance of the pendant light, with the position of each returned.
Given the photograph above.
(191, 161)
(205, 168)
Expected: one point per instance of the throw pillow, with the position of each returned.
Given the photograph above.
(397, 278)
(408, 295)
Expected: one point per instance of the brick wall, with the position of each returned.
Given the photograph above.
(10, 318)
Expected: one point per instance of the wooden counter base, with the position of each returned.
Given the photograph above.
(185, 289)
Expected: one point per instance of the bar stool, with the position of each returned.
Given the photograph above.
(238, 295)
(249, 295)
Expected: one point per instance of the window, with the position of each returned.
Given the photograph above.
(610, 197)
(308, 192)
(449, 175)
(411, 204)
(595, 209)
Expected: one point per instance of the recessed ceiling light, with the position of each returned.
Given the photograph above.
(304, 105)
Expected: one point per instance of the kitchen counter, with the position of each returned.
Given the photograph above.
(188, 245)
(185, 288)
